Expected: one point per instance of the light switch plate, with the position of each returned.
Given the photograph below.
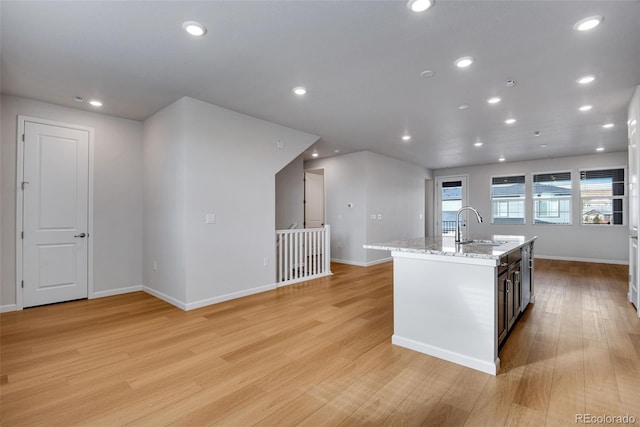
(210, 219)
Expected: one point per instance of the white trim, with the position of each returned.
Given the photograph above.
(524, 197)
(379, 261)
(227, 297)
(7, 308)
(19, 200)
(303, 279)
(119, 291)
(460, 359)
(361, 264)
(578, 259)
(164, 297)
(624, 197)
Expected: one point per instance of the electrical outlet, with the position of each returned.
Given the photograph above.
(373, 216)
(210, 218)
(265, 261)
(379, 217)
(155, 265)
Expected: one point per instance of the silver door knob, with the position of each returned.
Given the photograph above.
(81, 235)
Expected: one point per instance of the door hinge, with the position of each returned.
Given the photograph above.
(22, 234)
(22, 184)
(22, 283)
(23, 137)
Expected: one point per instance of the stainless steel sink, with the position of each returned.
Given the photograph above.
(483, 242)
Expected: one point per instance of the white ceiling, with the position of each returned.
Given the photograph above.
(359, 60)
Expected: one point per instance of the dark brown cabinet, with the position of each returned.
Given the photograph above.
(509, 292)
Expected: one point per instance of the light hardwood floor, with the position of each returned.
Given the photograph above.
(315, 354)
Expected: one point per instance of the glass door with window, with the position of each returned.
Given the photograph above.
(451, 195)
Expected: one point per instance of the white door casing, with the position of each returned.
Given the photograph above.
(314, 200)
(54, 220)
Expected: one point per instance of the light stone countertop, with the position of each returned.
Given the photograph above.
(447, 246)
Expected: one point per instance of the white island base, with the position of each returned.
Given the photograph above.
(446, 307)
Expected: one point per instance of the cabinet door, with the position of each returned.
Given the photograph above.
(502, 292)
(509, 302)
(634, 159)
(517, 289)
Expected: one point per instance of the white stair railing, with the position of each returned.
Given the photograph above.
(302, 254)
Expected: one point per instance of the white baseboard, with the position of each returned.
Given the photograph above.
(165, 298)
(597, 261)
(471, 362)
(8, 307)
(227, 297)
(361, 264)
(112, 292)
(379, 261)
(303, 279)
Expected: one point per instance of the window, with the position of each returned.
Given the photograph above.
(602, 196)
(507, 199)
(552, 198)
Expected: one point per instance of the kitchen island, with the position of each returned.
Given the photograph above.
(458, 301)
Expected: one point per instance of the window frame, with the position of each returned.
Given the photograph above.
(523, 199)
(623, 198)
(569, 198)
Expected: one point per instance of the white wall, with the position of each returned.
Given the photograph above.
(165, 177)
(373, 184)
(290, 194)
(230, 162)
(345, 183)
(395, 190)
(117, 233)
(572, 242)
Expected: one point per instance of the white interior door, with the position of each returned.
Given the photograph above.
(313, 200)
(55, 214)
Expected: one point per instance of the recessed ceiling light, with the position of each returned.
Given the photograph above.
(427, 73)
(336, 151)
(477, 144)
(419, 5)
(510, 83)
(600, 149)
(314, 154)
(78, 98)
(543, 145)
(463, 106)
(585, 108)
(589, 23)
(406, 137)
(464, 62)
(585, 80)
(194, 28)
(501, 159)
(95, 103)
(537, 133)
(299, 90)
(494, 100)
(510, 121)
(608, 125)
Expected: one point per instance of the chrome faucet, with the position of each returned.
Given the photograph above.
(464, 208)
